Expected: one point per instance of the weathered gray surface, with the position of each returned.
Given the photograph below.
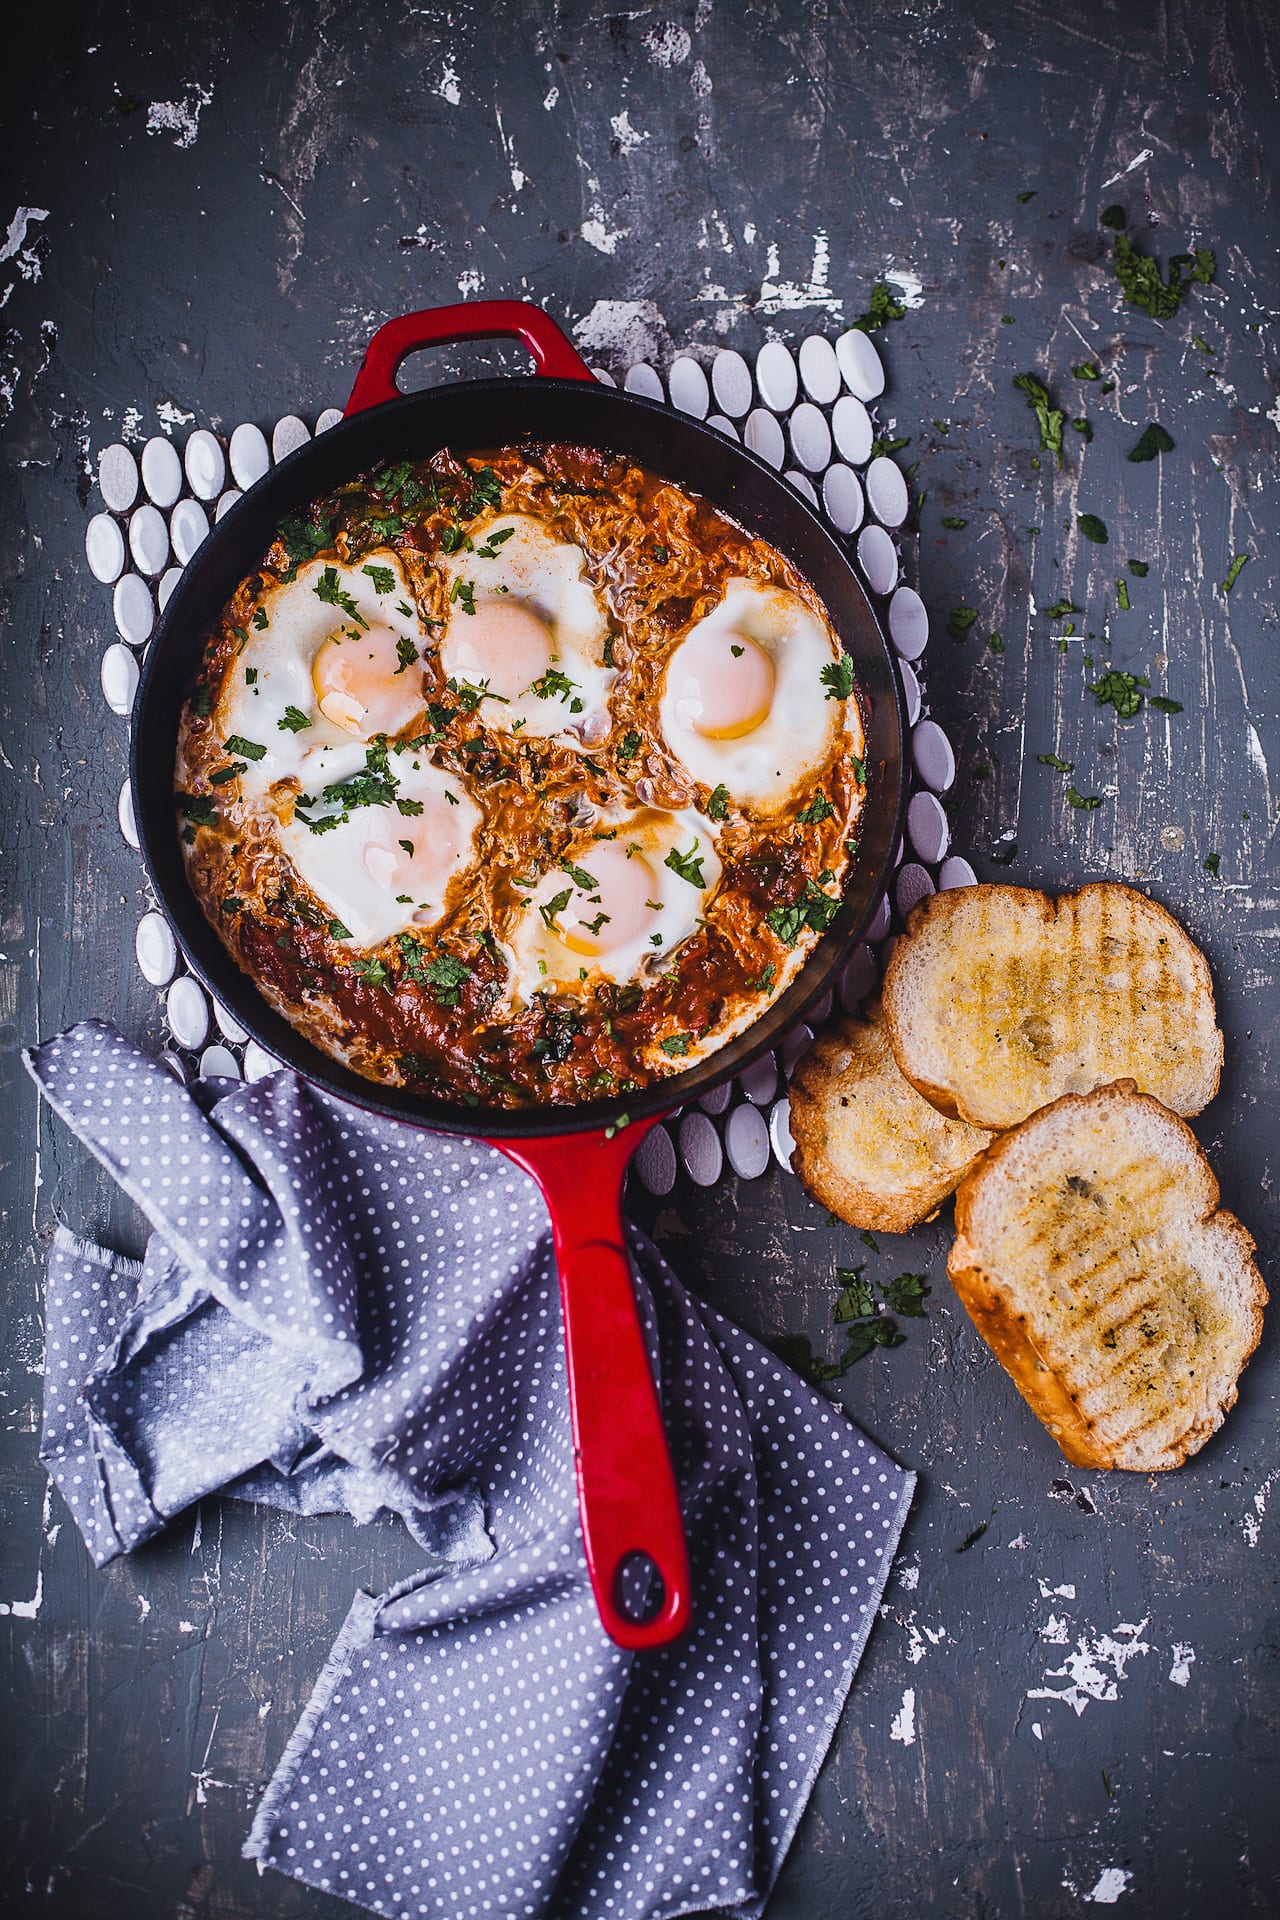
(353, 162)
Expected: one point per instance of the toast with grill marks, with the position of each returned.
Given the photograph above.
(1092, 1258)
(1001, 999)
(867, 1145)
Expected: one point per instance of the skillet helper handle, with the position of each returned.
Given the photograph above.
(627, 1493)
(469, 320)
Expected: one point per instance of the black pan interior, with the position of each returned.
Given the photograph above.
(469, 417)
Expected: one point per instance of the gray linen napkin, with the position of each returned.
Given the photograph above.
(341, 1313)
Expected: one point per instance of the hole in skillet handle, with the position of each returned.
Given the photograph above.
(520, 320)
(639, 1591)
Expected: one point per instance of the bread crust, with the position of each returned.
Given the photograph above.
(984, 1101)
(994, 1307)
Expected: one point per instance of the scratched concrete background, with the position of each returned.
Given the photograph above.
(1080, 1705)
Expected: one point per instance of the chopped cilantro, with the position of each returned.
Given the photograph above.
(1059, 766)
(881, 447)
(837, 678)
(1028, 193)
(303, 541)
(579, 876)
(408, 807)
(954, 522)
(232, 904)
(994, 643)
(856, 1299)
(338, 931)
(1163, 705)
(906, 1294)
(327, 589)
(464, 592)
(447, 976)
(551, 908)
(1146, 287)
(1153, 440)
(1083, 428)
(676, 1044)
(1112, 217)
(260, 620)
(763, 983)
(552, 685)
(1084, 802)
(718, 804)
(1119, 690)
(249, 748)
(406, 652)
(961, 620)
(881, 308)
(372, 972)
(1092, 528)
(814, 909)
(1212, 861)
(1086, 370)
(1122, 594)
(1234, 571)
(628, 745)
(819, 808)
(199, 808)
(294, 720)
(383, 578)
(232, 772)
(1048, 417)
(251, 676)
(202, 702)
(687, 865)
(1060, 609)
(1139, 568)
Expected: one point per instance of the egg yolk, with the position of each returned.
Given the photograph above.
(416, 856)
(363, 684)
(615, 910)
(723, 684)
(502, 645)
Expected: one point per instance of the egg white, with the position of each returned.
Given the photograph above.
(539, 959)
(272, 673)
(534, 569)
(779, 758)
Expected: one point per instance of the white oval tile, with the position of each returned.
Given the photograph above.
(149, 538)
(913, 884)
(746, 1142)
(287, 436)
(655, 1161)
(174, 1064)
(802, 484)
(228, 1026)
(718, 1099)
(821, 1008)
(859, 978)
(104, 548)
(258, 1063)
(908, 623)
(880, 921)
(928, 829)
(955, 872)
(886, 487)
(721, 425)
(250, 454)
(911, 691)
(219, 1063)
(156, 949)
(759, 1081)
(124, 814)
(878, 558)
(205, 464)
(643, 380)
(329, 418)
(161, 471)
(764, 436)
(842, 498)
(117, 478)
(776, 379)
(167, 585)
(793, 1047)
(931, 756)
(119, 675)
(731, 383)
(603, 375)
(860, 364)
(134, 609)
(700, 1149)
(810, 437)
(188, 526)
(226, 503)
(884, 953)
(819, 369)
(187, 1012)
(851, 425)
(687, 384)
(780, 1133)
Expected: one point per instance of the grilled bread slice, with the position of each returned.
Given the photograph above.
(867, 1145)
(1092, 1258)
(1000, 999)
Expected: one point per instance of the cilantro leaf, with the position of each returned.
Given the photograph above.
(837, 678)
(303, 540)
(1059, 766)
(260, 620)
(856, 1299)
(881, 308)
(372, 972)
(383, 578)
(1212, 861)
(327, 589)
(553, 685)
(294, 720)
(718, 804)
(1084, 803)
(198, 807)
(250, 749)
(1234, 571)
(550, 908)
(579, 876)
(961, 620)
(1112, 217)
(1119, 690)
(1049, 418)
(1086, 370)
(1060, 609)
(1092, 528)
(676, 1044)
(338, 931)
(954, 522)
(1162, 705)
(819, 808)
(1153, 440)
(906, 1294)
(687, 865)
(406, 652)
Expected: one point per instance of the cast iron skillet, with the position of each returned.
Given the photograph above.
(578, 1155)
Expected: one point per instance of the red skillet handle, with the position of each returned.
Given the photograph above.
(471, 320)
(626, 1489)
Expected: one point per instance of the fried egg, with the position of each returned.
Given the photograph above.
(622, 900)
(525, 624)
(387, 866)
(743, 704)
(331, 660)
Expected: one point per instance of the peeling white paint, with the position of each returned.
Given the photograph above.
(551, 99)
(667, 44)
(447, 85)
(1057, 1632)
(1037, 1730)
(1252, 1522)
(181, 118)
(1112, 1882)
(787, 296)
(1067, 1592)
(131, 424)
(699, 80)
(144, 1606)
(909, 1576)
(627, 136)
(26, 1609)
(903, 1728)
(908, 285)
(16, 245)
(517, 172)
(470, 281)
(1139, 160)
(625, 330)
(1183, 1660)
(1086, 1670)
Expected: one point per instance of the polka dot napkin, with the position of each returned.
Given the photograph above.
(341, 1313)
